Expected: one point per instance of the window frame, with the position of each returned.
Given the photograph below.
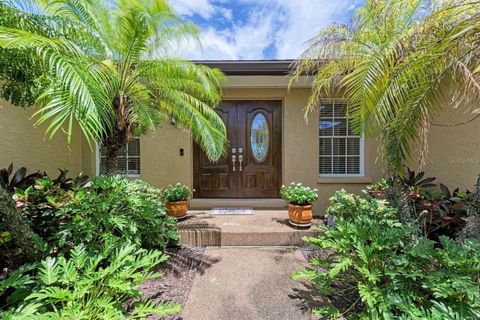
(128, 175)
(361, 145)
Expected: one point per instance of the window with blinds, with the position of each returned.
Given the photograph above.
(128, 160)
(341, 151)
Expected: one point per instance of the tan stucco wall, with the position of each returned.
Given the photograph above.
(27, 146)
(160, 160)
(454, 152)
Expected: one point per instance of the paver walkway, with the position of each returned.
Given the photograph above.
(248, 283)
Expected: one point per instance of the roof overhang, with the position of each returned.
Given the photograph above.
(251, 67)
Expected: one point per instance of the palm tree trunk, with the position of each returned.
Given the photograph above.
(402, 201)
(113, 145)
(397, 195)
(111, 163)
(18, 228)
(472, 225)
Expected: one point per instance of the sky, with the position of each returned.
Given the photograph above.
(259, 29)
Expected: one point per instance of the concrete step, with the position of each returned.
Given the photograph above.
(263, 228)
(208, 204)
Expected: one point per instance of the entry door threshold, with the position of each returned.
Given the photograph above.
(256, 203)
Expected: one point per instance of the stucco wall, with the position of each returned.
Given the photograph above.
(160, 160)
(27, 146)
(454, 152)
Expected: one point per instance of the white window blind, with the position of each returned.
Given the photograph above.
(128, 160)
(341, 151)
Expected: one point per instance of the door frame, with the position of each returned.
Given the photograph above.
(281, 100)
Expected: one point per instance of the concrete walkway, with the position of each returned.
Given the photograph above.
(248, 283)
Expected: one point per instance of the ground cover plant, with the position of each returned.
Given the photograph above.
(95, 241)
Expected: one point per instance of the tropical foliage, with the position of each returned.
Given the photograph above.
(382, 270)
(393, 64)
(85, 286)
(347, 206)
(23, 77)
(106, 213)
(114, 77)
(437, 209)
(76, 248)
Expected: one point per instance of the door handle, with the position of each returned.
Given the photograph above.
(240, 159)
(234, 159)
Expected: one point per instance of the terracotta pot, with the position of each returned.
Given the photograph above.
(300, 215)
(177, 209)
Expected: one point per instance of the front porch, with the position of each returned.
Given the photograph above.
(266, 227)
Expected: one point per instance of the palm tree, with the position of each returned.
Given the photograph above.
(396, 64)
(115, 78)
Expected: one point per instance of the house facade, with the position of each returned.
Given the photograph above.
(270, 144)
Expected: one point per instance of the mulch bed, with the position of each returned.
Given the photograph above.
(177, 278)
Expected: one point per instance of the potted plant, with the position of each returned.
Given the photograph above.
(176, 200)
(300, 199)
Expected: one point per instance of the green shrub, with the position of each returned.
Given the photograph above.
(178, 192)
(438, 210)
(96, 233)
(142, 189)
(348, 206)
(109, 211)
(17, 240)
(84, 286)
(114, 211)
(387, 272)
(298, 194)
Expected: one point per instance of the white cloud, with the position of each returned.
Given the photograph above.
(245, 40)
(283, 25)
(303, 20)
(203, 8)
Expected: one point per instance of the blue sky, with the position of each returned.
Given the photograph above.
(259, 29)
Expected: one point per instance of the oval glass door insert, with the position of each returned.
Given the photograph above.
(259, 137)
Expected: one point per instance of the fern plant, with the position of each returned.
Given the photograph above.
(85, 286)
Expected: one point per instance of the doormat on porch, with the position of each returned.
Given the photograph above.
(232, 211)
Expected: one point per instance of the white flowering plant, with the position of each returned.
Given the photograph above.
(298, 194)
(177, 192)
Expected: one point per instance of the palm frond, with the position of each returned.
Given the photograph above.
(101, 81)
(391, 63)
(189, 93)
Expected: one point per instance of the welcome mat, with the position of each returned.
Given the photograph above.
(232, 211)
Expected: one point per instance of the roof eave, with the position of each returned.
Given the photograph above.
(251, 67)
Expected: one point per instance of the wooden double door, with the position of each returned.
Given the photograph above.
(252, 165)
